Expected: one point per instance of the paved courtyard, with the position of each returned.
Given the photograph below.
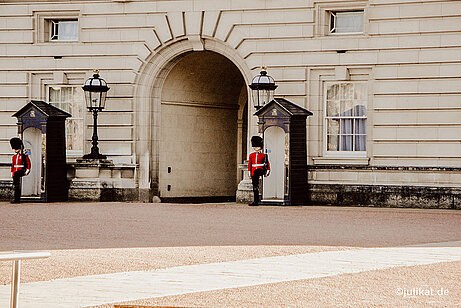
(230, 255)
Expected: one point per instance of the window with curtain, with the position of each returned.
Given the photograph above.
(346, 117)
(346, 21)
(64, 30)
(70, 99)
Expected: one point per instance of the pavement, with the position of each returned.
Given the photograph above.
(231, 255)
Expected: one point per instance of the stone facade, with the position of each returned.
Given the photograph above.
(177, 115)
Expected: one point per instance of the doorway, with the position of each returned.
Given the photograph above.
(31, 184)
(274, 146)
(200, 125)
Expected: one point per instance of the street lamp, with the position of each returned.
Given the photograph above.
(95, 96)
(263, 87)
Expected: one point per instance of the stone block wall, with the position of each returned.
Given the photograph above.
(410, 187)
(93, 180)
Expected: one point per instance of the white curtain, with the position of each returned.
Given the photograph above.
(353, 131)
(347, 22)
(346, 141)
(360, 135)
(68, 30)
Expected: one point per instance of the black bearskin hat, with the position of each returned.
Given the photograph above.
(16, 143)
(256, 141)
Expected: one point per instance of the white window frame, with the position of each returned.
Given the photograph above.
(70, 153)
(341, 154)
(332, 15)
(43, 24)
(323, 10)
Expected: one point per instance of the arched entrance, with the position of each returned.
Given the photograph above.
(148, 94)
(202, 119)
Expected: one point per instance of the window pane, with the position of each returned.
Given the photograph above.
(360, 110)
(69, 134)
(332, 92)
(360, 143)
(346, 108)
(360, 126)
(332, 108)
(54, 94)
(67, 93)
(332, 142)
(347, 126)
(68, 30)
(333, 127)
(74, 127)
(66, 99)
(332, 22)
(347, 91)
(349, 22)
(78, 106)
(54, 30)
(346, 143)
(360, 91)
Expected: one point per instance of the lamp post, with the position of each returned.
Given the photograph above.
(95, 89)
(263, 87)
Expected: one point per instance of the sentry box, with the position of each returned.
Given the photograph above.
(41, 126)
(283, 125)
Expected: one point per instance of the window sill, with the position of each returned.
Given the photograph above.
(61, 41)
(341, 161)
(48, 43)
(346, 34)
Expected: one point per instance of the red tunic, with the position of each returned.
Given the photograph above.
(256, 161)
(17, 164)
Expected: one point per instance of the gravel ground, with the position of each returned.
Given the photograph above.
(381, 288)
(98, 238)
(133, 225)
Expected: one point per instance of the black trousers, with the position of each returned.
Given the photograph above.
(17, 185)
(255, 181)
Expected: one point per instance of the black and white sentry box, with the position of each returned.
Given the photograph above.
(41, 126)
(283, 125)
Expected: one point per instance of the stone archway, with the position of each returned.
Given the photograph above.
(148, 93)
(199, 128)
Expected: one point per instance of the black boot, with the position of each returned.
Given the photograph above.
(256, 198)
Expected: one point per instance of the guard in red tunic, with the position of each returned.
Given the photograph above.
(20, 166)
(258, 165)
